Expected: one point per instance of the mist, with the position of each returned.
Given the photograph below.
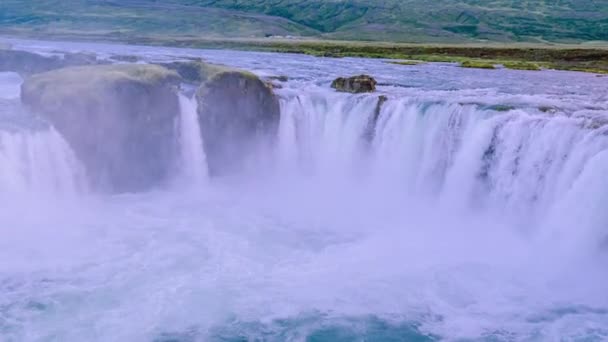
(458, 208)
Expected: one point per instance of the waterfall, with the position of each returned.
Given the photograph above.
(522, 164)
(193, 161)
(324, 134)
(40, 162)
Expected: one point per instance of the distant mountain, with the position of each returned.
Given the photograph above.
(566, 21)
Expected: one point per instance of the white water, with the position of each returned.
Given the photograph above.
(193, 161)
(38, 162)
(529, 171)
(444, 220)
(33, 160)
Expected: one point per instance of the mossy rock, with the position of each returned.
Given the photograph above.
(238, 113)
(355, 84)
(516, 65)
(119, 120)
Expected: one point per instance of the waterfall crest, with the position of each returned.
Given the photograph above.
(520, 163)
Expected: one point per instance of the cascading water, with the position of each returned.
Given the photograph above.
(34, 158)
(38, 162)
(426, 217)
(193, 162)
(458, 154)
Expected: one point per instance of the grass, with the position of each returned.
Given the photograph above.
(518, 34)
(477, 64)
(406, 62)
(511, 56)
(519, 65)
(412, 21)
(42, 88)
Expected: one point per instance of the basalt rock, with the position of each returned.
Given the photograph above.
(119, 120)
(239, 116)
(355, 84)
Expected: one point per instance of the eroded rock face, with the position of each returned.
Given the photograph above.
(119, 120)
(238, 114)
(355, 84)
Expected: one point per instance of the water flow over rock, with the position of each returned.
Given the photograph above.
(239, 115)
(38, 162)
(119, 120)
(465, 157)
(193, 159)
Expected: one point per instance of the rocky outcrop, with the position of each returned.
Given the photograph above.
(238, 113)
(27, 63)
(355, 84)
(119, 120)
(195, 71)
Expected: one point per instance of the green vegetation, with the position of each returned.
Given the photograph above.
(477, 64)
(413, 21)
(439, 20)
(518, 34)
(88, 78)
(406, 62)
(519, 65)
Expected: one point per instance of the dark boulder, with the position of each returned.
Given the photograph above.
(355, 84)
(119, 120)
(239, 115)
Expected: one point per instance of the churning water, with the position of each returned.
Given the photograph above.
(471, 206)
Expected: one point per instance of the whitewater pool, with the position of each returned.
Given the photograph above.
(476, 209)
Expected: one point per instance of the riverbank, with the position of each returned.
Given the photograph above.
(585, 58)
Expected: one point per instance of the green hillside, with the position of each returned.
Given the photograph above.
(441, 21)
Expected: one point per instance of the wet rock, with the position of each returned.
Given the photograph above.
(274, 85)
(371, 125)
(195, 71)
(125, 58)
(279, 78)
(274, 82)
(239, 115)
(355, 84)
(501, 108)
(118, 119)
(547, 109)
(27, 63)
(381, 100)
